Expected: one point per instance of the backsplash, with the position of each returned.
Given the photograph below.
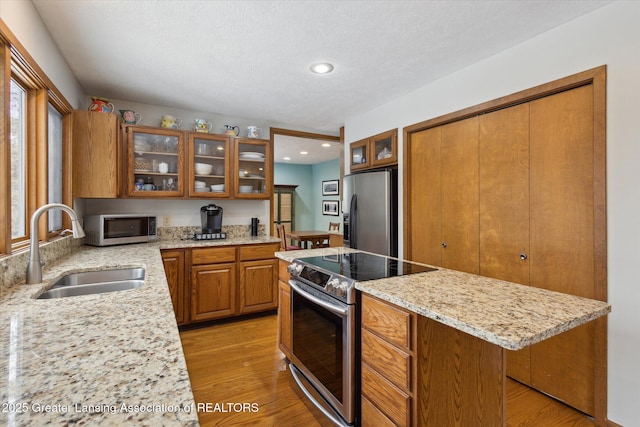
(183, 232)
(13, 268)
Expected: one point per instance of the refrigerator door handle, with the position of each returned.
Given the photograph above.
(353, 224)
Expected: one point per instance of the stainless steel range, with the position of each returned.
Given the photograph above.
(325, 326)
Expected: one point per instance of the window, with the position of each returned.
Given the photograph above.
(55, 167)
(33, 151)
(18, 161)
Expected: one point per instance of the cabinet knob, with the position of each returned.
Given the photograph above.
(444, 244)
(523, 256)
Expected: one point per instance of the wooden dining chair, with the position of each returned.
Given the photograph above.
(334, 226)
(283, 239)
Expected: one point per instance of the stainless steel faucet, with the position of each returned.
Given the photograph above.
(34, 267)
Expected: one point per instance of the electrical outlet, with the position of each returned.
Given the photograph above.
(166, 220)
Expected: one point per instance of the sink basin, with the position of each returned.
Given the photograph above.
(95, 282)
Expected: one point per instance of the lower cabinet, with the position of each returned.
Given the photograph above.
(213, 291)
(387, 357)
(174, 269)
(217, 282)
(284, 310)
(419, 372)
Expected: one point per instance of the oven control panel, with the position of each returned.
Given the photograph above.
(333, 284)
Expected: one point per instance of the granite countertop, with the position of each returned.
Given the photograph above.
(507, 314)
(107, 359)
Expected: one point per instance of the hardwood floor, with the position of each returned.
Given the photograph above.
(237, 368)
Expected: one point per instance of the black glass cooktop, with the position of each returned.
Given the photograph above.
(363, 266)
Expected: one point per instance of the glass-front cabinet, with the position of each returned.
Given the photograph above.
(209, 165)
(376, 151)
(253, 174)
(359, 154)
(155, 162)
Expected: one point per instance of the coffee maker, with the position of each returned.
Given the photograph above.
(211, 219)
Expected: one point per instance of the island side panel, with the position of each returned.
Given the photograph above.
(461, 378)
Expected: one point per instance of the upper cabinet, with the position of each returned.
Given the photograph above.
(376, 151)
(155, 162)
(253, 174)
(209, 165)
(111, 160)
(95, 153)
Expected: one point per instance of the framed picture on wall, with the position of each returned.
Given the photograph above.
(331, 188)
(330, 207)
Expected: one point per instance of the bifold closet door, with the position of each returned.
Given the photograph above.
(562, 236)
(504, 207)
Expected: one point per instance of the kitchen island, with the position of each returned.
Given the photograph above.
(458, 329)
(106, 359)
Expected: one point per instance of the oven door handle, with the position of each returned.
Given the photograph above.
(296, 374)
(341, 311)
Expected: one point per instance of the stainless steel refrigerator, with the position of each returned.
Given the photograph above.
(370, 211)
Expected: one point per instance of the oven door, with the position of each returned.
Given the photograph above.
(323, 349)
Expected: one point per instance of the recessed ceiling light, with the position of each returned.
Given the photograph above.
(304, 152)
(326, 144)
(287, 158)
(321, 68)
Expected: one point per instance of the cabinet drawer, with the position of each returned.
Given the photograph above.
(213, 255)
(393, 363)
(372, 416)
(390, 322)
(253, 252)
(283, 274)
(390, 399)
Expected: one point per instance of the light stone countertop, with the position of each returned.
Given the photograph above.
(507, 314)
(107, 359)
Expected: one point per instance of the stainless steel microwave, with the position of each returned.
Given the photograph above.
(119, 229)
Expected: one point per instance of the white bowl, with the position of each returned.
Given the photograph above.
(199, 184)
(203, 168)
(217, 187)
(246, 188)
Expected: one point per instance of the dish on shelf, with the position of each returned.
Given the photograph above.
(251, 155)
(201, 190)
(199, 184)
(203, 168)
(217, 188)
(246, 189)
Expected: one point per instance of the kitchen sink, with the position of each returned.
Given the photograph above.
(95, 282)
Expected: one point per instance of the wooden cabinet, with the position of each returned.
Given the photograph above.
(253, 176)
(217, 282)
(258, 278)
(520, 188)
(284, 310)
(95, 155)
(376, 151)
(209, 165)
(387, 357)
(213, 291)
(174, 269)
(155, 162)
(150, 162)
(419, 372)
(213, 283)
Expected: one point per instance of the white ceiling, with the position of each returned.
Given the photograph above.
(293, 147)
(251, 58)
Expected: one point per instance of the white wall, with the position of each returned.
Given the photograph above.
(610, 36)
(24, 22)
